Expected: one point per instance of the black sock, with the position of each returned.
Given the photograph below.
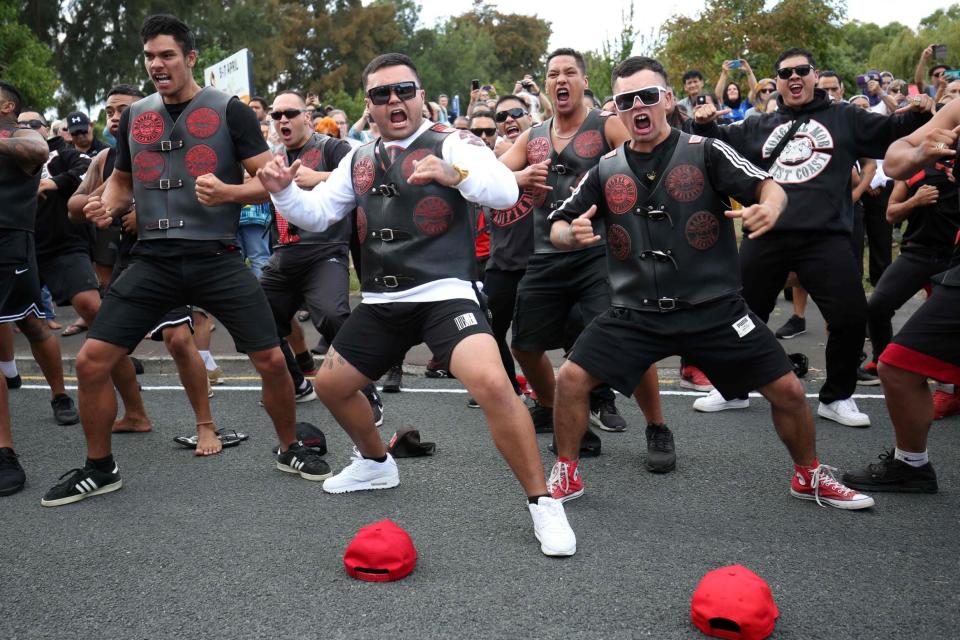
(656, 425)
(305, 361)
(535, 499)
(383, 459)
(101, 464)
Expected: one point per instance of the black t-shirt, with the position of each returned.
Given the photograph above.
(724, 170)
(333, 152)
(247, 141)
(934, 226)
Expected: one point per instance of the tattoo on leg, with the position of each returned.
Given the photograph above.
(328, 360)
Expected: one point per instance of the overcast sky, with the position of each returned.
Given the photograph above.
(585, 25)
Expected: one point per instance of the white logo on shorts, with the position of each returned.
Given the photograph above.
(743, 326)
(465, 320)
(17, 272)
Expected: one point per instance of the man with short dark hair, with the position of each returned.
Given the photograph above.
(259, 107)
(23, 152)
(934, 80)
(411, 187)
(693, 87)
(673, 239)
(182, 152)
(810, 145)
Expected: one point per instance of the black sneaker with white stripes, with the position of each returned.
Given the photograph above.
(78, 484)
(376, 402)
(305, 461)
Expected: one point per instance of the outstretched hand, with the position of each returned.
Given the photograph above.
(534, 176)
(275, 176)
(581, 229)
(433, 169)
(707, 113)
(759, 218)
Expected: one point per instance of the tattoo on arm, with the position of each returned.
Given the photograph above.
(26, 148)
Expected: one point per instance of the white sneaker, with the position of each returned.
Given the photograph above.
(713, 401)
(362, 474)
(845, 412)
(552, 529)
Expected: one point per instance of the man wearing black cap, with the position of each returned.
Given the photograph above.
(22, 153)
(85, 139)
(182, 153)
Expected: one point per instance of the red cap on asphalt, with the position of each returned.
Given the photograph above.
(734, 603)
(380, 552)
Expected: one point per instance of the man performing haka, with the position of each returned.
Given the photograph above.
(549, 158)
(928, 345)
(181, 152)
(411, 188)
(672, 258)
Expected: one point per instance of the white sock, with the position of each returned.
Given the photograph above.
(208, 360)
(8, 368)
(911, 458)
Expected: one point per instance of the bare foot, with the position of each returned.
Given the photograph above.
(208, 443)
(53, 325)
(128, 424)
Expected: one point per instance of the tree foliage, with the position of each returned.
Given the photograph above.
(25, 61)
(600, 63)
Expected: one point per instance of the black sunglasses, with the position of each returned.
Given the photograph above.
(484, 131)
(767, 90)
(514, 113)
(290, 113)
(31, 124)
(648, 97)
(381, 95)
(801, 70)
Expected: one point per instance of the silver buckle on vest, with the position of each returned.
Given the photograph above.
(390, 282)
(387, 236)
(560, 169)
(165, 185)
(667, 304)
(166, 145)
(163, 224)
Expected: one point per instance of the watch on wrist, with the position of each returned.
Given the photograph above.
(463, 174)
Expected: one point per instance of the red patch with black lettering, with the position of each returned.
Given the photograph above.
(148, 166)
(203, 122)
(311, 158)
(619, 242)
(685, 183)
(363, 176)
(621, 193)
(516, 213)
(361, 225)
(5, 133)
(537, 150)
(147, 127)
(200, 160)
(432, 215)
(440, 127)
(702, 230)
(407, 167)
(588, 144)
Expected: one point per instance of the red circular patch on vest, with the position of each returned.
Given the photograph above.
(201, 160)
(588, 144)
(148, 166)
(311, 158)
(537, 150)
(5, 133)
(407, 167)
(361, 225)
(702, 230)
(363, 176)
(621, 193)
(685, 183)
(619, 242)
(147, 128)
(432, 215)
(203, 122)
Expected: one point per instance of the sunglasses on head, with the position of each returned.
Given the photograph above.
(648, 96)
(801, 70)
(483, 131)
(514, 113)
(289, 113)
(381, 95)
(31, 124)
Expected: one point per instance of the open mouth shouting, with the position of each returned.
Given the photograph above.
(511, 130)
(642, 125)
(795, 89)
(161, 81)
(398, 118)
(563, 97)
(286, 132)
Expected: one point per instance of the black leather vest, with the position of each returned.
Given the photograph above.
(410, 234)
(312, 157)
(18, 192)
(511, 235)
(566, 170)
(671, 247)
(166, 159)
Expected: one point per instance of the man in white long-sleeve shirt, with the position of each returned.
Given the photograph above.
(410, 188)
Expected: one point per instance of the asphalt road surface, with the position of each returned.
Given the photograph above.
(229, 547)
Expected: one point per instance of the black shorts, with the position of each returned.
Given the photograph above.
(552, 285)
(929, 342)
(376, 336)
(622, 343)
(67, 275)
(153, 285)
(173, 318)
(105, 245)
(19, 276)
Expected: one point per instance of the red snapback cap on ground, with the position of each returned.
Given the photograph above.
(380, 552)
(734, 603)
